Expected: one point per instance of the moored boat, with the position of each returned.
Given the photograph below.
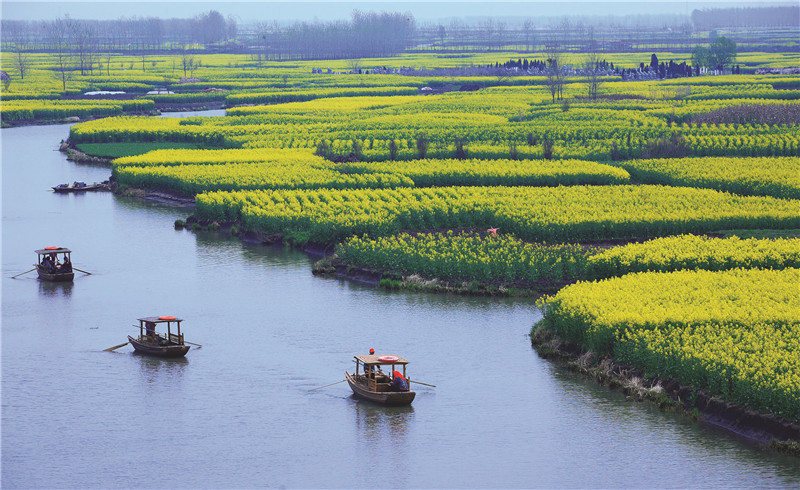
(157, 344)
(77, 187)
(54, 264)
(370, 383)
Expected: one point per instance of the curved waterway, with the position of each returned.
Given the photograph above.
(238, 412)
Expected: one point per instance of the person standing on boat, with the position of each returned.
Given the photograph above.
(369, 369)
(150, 328)
(399, 383)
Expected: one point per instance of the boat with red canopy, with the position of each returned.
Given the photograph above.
(54, 264)
(370, 382)
(150, 342)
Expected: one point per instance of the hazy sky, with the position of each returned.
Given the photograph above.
(253, 11)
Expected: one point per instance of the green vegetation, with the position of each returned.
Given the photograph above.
(117, 150)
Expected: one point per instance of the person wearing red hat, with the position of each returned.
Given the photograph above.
(369, 370)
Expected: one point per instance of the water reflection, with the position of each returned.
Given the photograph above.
(55, 289)
(156, 369)
(382, 432)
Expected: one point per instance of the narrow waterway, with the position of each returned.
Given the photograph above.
(238, 411)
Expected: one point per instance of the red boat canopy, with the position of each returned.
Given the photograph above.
(53, 250)
(382, 360)
(160, 319)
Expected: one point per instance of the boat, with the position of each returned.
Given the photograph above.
(77, 187)
(54, 264)
(153, 343)
(370, 383)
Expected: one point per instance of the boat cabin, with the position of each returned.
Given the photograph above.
(369, 369)
(54, 264)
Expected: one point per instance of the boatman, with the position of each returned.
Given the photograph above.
(369, 370)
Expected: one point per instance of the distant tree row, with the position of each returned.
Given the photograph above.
(367, 34)
(122, 34)
(746, 17)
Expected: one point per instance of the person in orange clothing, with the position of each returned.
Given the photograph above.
(399, 383)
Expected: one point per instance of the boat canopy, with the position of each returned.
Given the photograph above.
(53, 250)
(383, 360)
(160, 319)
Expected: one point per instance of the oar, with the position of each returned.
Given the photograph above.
(320, 387)
(12, 277)
(79, 270)
(421, 383)
(116, 347)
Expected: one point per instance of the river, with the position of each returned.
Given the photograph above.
(238, 413)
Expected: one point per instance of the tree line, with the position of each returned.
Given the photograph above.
(746, 17)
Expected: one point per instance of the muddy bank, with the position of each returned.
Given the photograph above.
(76, 155)
(16, 123)
(332, 265)
(157, 196)
(670, 395)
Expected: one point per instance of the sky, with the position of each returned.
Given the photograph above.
(255, 11)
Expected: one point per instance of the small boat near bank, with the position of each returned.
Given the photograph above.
(78, 187)
(370, 383)
(152, 343)
(54, 264)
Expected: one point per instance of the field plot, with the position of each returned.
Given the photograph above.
(734, 333)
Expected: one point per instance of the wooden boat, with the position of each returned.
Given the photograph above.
(54, 264)
(153, 343)
(371, 384)
(77, 187)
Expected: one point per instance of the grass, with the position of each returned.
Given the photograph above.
(117, 150)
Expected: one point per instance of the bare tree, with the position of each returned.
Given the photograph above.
(554, 72)
(354, 66)
(58, 33)
(529, 34)
(21, 58)
(188, 63)
(591, 67)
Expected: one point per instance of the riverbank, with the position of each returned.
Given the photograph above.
(670, 395)
(160, 110)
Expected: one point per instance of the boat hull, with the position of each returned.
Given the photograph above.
(392, 398)
(58, 277)
(171, 350)
(66, 190)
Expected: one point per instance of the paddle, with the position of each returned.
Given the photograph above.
(421, 383)
(320, 387)
(12, 277)
(79, 270)
(116, 347)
